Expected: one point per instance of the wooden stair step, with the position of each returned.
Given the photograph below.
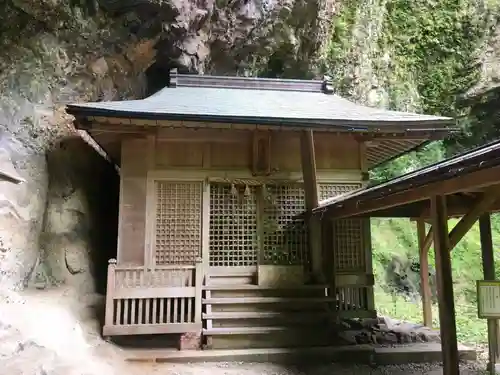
(249, 330)
(263, 314)
(248, 300)
(257, 287)
(232, 272)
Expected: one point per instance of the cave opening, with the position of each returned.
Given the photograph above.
(158, 74)
(84, 187)
(158, 77)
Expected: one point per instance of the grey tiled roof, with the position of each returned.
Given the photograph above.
(257, 104)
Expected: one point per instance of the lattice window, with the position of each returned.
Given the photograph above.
(285, 239)
(233, 225)
(349, 252)
(332, 190)
(178, 222)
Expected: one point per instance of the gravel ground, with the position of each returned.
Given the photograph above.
(274, 369)
(54, 342)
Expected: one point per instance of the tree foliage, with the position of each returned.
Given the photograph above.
(435, 40)
(432, 47)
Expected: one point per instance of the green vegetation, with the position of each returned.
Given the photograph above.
(399, 237)
(432, 41)
(420, 55)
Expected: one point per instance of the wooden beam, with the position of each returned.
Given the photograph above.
(456, 208)
(447, 322)
(261, 153)
(425, 288)
(488, 261)
(363, 162)
(464, 225)
(414, 136)
(474, 180)
(468, 220)
(308, 160)
(457, 205)
(428, 239)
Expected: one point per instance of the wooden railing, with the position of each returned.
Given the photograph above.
(140, 300)
(352, 302)
(353, 293)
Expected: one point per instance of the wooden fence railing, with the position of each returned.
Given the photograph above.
(352, 302)
(354, 296)
(165, 299)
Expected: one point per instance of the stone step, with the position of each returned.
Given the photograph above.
(259, 287)
(266, 300)
(219, 331)
(264, 315)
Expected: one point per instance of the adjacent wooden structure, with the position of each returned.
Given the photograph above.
(466, 186)
(214, 173)
(12, 177)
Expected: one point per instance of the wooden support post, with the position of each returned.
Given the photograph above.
(205, 231)
(109, 319)
(198, 283)
(309, 169)
(311, 197)
(447, 323)
(425, 288)
(489, 274)
(149, 246)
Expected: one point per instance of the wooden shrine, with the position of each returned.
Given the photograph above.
(216, 173)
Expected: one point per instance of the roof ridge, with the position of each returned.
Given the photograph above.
(249, 83)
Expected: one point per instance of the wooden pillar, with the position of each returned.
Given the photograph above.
(150, 247)
(308, 160)
(447, 323)
(205, 228)
(489, 274)
(109, 317)
(425, 288)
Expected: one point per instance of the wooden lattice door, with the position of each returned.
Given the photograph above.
(351, 258)
(284, 236)
(233, 226)
(256, 225)
(176, 274)
(177, 230)
(348, 242)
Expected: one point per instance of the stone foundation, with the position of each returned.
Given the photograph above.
(190, 341)
(386, 331)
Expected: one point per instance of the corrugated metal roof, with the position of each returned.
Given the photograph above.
(481, 157)
(255, 100)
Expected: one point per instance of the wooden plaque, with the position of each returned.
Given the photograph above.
(488, 299)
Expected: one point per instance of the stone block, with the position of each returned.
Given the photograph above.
(190, 341)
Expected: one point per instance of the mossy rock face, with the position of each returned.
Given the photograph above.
(402, 276)
(409, 55)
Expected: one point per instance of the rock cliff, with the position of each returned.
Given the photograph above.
(58, 229)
